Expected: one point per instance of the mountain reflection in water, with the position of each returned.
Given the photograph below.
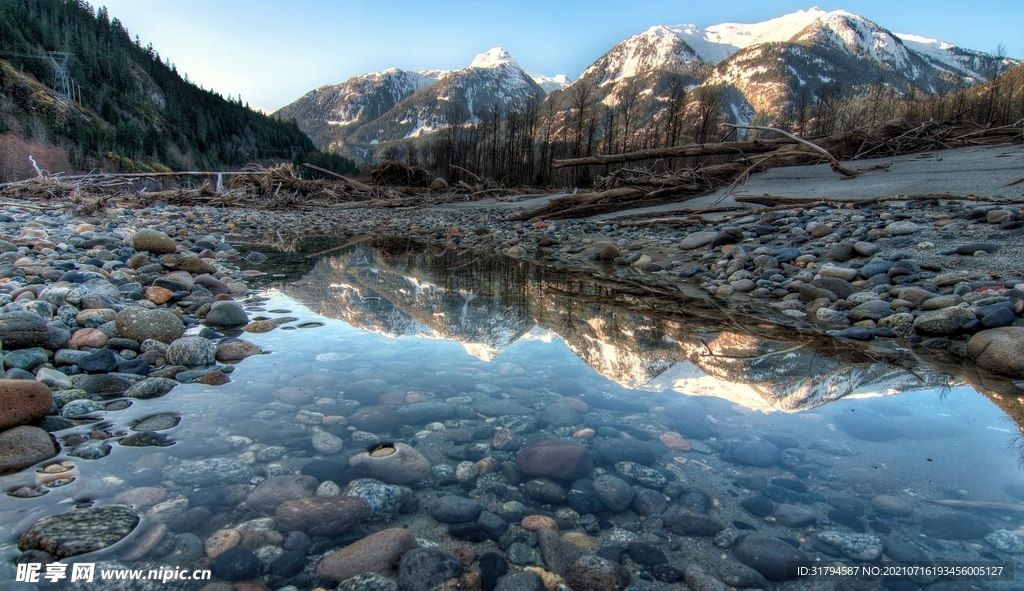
(696, 349)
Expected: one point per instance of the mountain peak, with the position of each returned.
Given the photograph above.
(492, 58)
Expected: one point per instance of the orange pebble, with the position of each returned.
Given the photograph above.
(675, 441)
(585, 433)
(538, 522)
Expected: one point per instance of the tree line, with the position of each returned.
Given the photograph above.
(516, 148)
(129, 108)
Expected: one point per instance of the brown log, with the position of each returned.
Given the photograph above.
(355, 184)
(713, 149)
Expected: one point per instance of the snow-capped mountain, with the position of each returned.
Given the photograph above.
(326, 112)
(395, 104)
(492, 83)
(552, 83)
(763, 67)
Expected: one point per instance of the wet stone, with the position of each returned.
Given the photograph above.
(79, 531)
(236, 564)
(453, 509)
(384, 500)
(758, 454)
(863, 547)
(1006, 541)
(210, 472)
(768, 556)
(955, 526)
(421, 569)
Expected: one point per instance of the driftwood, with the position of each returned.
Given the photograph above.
(713, 149)
(651, 188)
(855, 203)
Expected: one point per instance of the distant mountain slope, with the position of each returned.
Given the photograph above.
(395, 104)
(127, 108)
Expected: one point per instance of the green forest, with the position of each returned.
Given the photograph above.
(121, 107)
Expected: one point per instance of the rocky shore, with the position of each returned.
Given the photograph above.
(544, 486)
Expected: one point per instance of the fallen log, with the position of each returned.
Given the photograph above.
(855, 203)
(712, 149)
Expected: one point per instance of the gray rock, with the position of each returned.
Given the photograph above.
(1005, 540)
(901, 228)
(999, 350)
(192, 352)
(327, 444)
(453, 509)
(425, 412)
(864, 547)
(277, 489)
(384, 500)
(559, 555)
(943, 322)
(405, 465)
(368, 582)
(26, 359)
(599, 574)
(768, 556)
(140, 324)
(226, 314)
(421, 569)
(19, 330)
(872, 310)
(688, 523)
(793, 516)
(24, 446)
(697, 239)
(760, 454)
(614, 492)
(151, 388)
(92, 449)
(79, 531)
(521, 581)
(212, 471)
(153, 241)
(866, 249)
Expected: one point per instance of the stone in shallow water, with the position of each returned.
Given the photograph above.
(405, 465)
(212, 471)
(866, 428)
(759, 454)
(864, 547)
(558, 460)
(594, 572)
(322, 516)
(1005, 540)
(79, 531)
(236, 564)
(421, 569)
(151, 388)
(768, 556)
(191, 352)
(955, 526)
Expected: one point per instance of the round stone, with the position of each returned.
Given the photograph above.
(404, 465)
(140, 324)
(24, 446)
(192, 352)
(79, 531)
(378, 552)
(23, 401)
(153, 241)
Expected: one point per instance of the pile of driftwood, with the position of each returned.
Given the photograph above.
(392, 185)
(627, 188)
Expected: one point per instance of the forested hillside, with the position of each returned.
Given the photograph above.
(122, 106)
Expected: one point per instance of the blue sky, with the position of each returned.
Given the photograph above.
(272, 51)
